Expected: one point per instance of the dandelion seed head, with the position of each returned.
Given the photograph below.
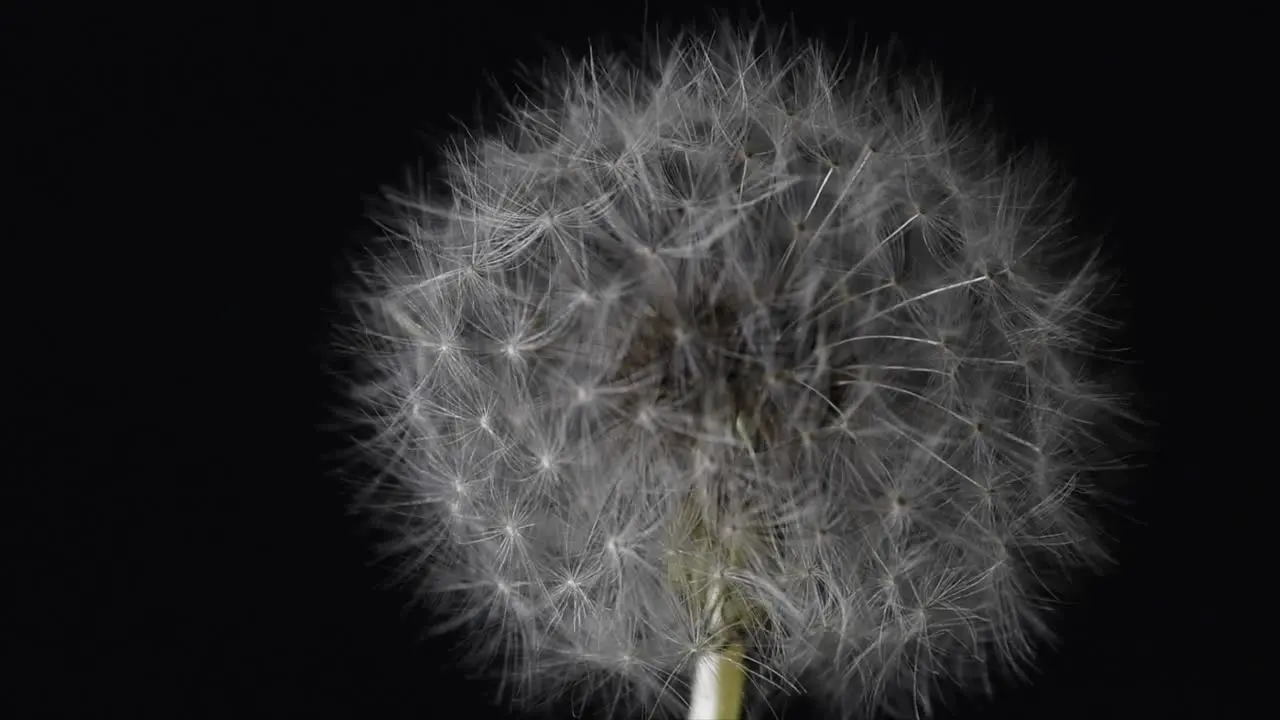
(740, 323)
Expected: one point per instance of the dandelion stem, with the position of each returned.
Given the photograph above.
(718, 678)
(717, 686)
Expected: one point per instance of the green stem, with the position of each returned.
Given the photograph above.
(717, 685)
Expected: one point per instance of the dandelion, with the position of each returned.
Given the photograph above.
(736, 375)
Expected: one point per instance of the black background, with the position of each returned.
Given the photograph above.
(188, 180)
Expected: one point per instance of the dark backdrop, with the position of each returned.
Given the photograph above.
(188, 181)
